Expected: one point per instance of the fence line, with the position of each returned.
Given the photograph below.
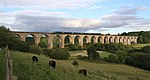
(9, 64)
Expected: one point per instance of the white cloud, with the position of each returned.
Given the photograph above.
(49, 4)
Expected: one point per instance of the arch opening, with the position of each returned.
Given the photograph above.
(100, 40)
(93, 39)
(67, 40)
(105, 40)
(110, 40)
(85, 40)
(76, 40)
(115, 40)
(56, 41)
(43, 41)
(30, 39)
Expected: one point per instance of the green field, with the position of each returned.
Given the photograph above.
(84, 53)
(2, 66)
(138, 46)
(25, 69)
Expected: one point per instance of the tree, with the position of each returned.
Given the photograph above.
(112, 47)
(146, 49)
(121, 56)
(112, 58)
(92, 53)
(8, 38)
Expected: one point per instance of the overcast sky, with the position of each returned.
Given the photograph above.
(94, 16)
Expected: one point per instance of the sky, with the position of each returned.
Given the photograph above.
(86, 16)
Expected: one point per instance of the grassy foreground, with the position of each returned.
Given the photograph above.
(2, 66)
(25, 69)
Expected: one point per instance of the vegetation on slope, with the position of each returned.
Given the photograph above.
(25, 69)
(2, 66)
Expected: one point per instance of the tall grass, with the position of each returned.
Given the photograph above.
(25, 69)
(2, 66)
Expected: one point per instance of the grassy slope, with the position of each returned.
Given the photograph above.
(26, 70)
(140, 45)
(2, 67)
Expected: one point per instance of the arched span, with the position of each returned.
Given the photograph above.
(57, 40)
(124, 40)
(116, 40)
(120, 39)
(77, 40)
(100, 39)
(93, 39)
(30, 39)
(43, 41)
(106, 40)
(67, 40)
(128, 40)
(85, 39)
(111, 39)
(18, 36)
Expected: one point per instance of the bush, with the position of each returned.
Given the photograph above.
(121, 56)
(24, 47)
(73, 47)
(111, 58)
(92, 53)
(42, 45)
(8, 38)
(87, 45)
(146, 49)
(61, 54)
(35, 50)
(140, 60)
(112, 47)
(99, 46)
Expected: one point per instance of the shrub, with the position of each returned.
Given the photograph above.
(112, 47)
(121, 56)
(140, 60)
(111, 58)
(87, 45)
(42, 45)
(146, 49)
(35, 49)
(24, 47)
(92, 53)
(73, 47)
(58, 54)
(99, 46)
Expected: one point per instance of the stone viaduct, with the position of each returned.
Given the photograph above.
(88, 37)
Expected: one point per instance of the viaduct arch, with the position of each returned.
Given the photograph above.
(80, 38)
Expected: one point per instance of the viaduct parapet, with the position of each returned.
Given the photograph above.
(88, 37)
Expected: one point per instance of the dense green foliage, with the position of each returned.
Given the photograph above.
(73, 47)
(92, 53)
(111, 58)
(57, 53)
(7, 38)
(140, 60)
(2, 65)
(35, 50)
(121, 56)
(111, 47)
(146, 49)
(43, 42)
